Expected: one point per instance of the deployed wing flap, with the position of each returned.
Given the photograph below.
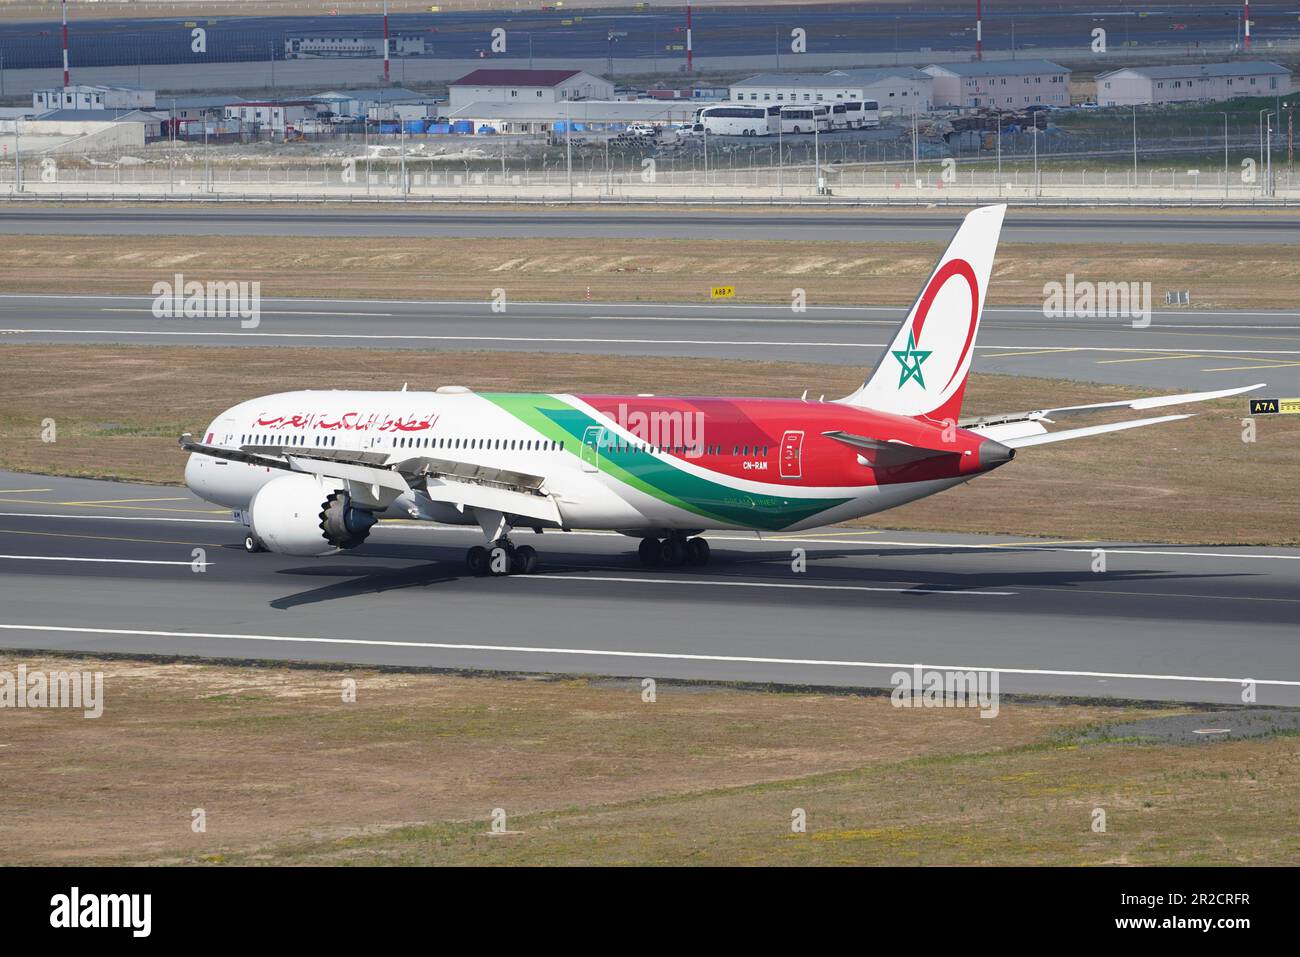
(495, 498)
(469, 472)
(881, 454)
(982, 422)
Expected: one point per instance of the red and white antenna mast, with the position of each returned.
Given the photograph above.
(690, 52)
(1247, 19)
(385, 41)
(65, 43)
(979, 31)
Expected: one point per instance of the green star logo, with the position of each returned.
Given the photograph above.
(910, 359)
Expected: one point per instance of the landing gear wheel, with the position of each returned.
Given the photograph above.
(253, 544)
(476, 559)
(501, 560)
(697, 551)
(525, 560)
(672, 551)
(648, 552)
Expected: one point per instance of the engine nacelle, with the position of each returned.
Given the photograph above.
(301, 514)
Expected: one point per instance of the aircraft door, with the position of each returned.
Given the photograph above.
(591, 440)
(792, 455)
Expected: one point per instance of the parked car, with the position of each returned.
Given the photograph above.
(642, 129)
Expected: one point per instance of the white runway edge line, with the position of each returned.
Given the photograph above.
(993, 546)
(107, 561)
(666, 655)
(546, 303)
(567, 340)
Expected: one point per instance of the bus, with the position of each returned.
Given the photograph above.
(805, 119)
(841, 119)
(862, 113)
(735, 120)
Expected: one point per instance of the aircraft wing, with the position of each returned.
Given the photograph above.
(978, 423)
(1023, 429)
(1044, 437)
(377, 482)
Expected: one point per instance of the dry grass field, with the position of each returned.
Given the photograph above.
(586, 772)
(626, 270)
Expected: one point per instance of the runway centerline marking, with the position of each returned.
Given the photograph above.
(661, 655)
(270, 312)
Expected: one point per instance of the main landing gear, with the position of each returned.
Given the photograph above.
(253, 544)
(501, 557)
(672, 551)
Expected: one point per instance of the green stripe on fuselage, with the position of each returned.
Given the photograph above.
(561, 422)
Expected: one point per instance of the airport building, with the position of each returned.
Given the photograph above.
(88, 97)
(1000, 84)
(897, 89)
(527, 86)
(351, 45)
(381, 103)
(1146, 85)
(279, 116)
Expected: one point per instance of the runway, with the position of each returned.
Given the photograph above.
(111, 567)
(1184, 349)
(858, 225)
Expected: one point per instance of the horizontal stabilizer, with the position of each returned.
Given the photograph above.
(880, 454)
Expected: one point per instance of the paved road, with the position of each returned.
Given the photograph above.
(1180, 350)
(647, 34)
(108, 567)
(858, 225)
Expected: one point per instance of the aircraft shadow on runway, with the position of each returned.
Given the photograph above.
(444, 565)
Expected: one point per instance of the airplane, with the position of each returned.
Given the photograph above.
(311, 473)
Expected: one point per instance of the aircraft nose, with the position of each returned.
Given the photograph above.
(993, 454)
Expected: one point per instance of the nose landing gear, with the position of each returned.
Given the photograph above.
(673, 551)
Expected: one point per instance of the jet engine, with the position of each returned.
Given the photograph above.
(301, 514)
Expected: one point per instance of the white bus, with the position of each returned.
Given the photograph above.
(805, 119)
(735, 120)
(862, 113)
(841, 119)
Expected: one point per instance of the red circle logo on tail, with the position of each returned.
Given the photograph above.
(953, 267)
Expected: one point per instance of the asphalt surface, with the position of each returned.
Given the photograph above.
(858, 225)
(1185, 349)
(651, 33)
(109, 567)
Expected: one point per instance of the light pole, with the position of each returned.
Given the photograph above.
(706, 153)
(1135, 146)
(1225, 154)
(780, 158)
(999, 151)
(913, 142)
(568, 144)
(1261, 136)
(1268, 138)
(817, 157)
